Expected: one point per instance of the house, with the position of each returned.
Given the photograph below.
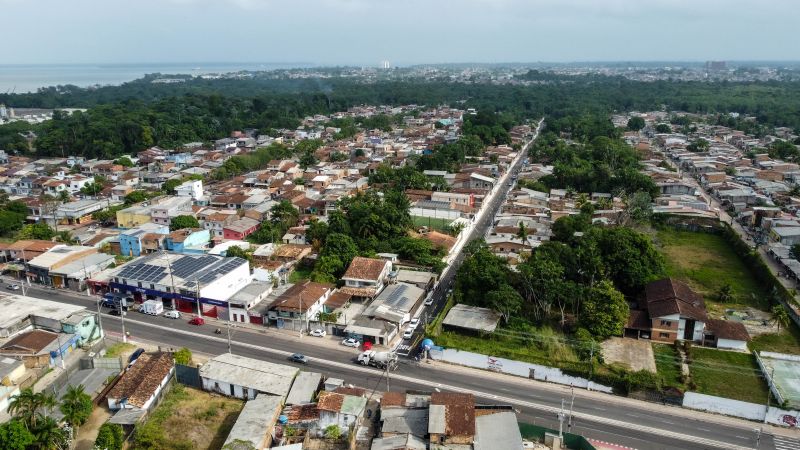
(131, 240)
(340, 409)
(301, 302)
(39, 268)
(365, 277)
(240, 229)
(727, 334)
(304, 388)
(497, 430)
(141, 385)
(39, 348)
(451, 419)
(673, 311)
(25, 250)
(187, 240)
(192, 189)
(256, 421)
(242, 377)
(396, 303)
(79, 211)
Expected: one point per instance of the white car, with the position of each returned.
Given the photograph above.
(429, 300)
(350, 342)
(13, 287)
(172, 314)
(408, 333)
(319, 332)
(414, 323)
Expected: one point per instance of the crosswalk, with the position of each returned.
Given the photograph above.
(786, 443)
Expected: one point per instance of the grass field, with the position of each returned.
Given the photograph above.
(119, 349)
(728, 374)
(787, 341)
(299, 274)
(706, 263)
(432, 223)
(188, 419)
(667, 365)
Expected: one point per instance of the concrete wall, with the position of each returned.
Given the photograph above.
(731, 344)
(735, 408)
(224, 388)
(512, 367)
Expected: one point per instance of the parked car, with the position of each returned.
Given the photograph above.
(350, 342)
(414, 323)
(319, 332)
(197, 321)
(13, 287)
(135, 355)
(408, 333)
(429, 300)
(299, 358)
(117, 312)
(173, 314)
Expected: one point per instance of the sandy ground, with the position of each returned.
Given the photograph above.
(636, 354)
(88, 432)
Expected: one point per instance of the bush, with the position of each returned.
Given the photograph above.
(643, 379)
(109, 437)
(333, 432)
(183, 356)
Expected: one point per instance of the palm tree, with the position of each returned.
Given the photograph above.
(49, 436)
(76, 405)
(522, 233)
(66, 237)
(27, 405)
(779, 316)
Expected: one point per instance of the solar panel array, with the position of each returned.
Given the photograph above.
(187, 266)
(218, 270)
(142, 272)
(397, 299)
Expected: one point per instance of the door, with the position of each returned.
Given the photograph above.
(688, 332)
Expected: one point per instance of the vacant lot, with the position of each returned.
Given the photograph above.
(432, 223)
(727, 374)
(668, 365)
(634, 354)
(707, 263)
(188, 419)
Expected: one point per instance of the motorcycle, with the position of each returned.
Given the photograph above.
(217, 331)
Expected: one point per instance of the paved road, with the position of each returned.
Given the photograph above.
(636, 424)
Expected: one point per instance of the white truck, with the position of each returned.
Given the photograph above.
(378, 359)
(153, 307)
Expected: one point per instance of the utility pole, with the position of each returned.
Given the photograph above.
(571, 403)
(197, 297)
(122, 316)
(100, 320)
(300, 311)
(561, 421)
(387, 378)
(171, 277)
(769, 392)
(229, 337)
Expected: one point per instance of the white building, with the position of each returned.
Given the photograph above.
(241, 377)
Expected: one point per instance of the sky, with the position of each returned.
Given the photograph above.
(365, 32)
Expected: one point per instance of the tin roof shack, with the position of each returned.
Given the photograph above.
(141, 385)
(256, 422)
(496, 430)
(471, 319)
(400, 441)
(451, 418)
(340, 409)
(241, 377)
(305, 386)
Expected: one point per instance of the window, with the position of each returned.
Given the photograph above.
(140, 284)
(232, 394)
(663, 335)
(152, 286)
(666, 323)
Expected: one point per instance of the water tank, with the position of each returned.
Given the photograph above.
(426, 344)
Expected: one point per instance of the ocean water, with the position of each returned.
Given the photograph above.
(29, 78)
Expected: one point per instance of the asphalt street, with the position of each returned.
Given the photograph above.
(640, 425)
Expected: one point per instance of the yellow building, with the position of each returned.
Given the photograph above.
(134, 216)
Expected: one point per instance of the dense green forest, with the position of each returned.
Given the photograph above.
(135, 115)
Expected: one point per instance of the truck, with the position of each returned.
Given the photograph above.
(116, 301)
(381, 360)
(152, 307)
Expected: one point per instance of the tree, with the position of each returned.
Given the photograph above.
(238, 252)
(181, 222)
(284, 215)
(629, 258)
(110, 436)
(170, 185)
(135, 197)
(91, 189)
(64, 196)
(663, 128)
(14, 435)
(638, 208)
(10, 222)
(636, 123)
(307, 159)
(183, 356)
(342, 248)
(76, 405)
(66, 237)
(725, 293)
(564, 228)
(333, 432)
(49, 435)
(522, 233)
(505, 300)
(795, 251)
(239, 444)
(124, 161)
(780, 317)
(27, 406)
(605, 311)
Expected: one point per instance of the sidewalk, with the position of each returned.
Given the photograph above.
(615, 400)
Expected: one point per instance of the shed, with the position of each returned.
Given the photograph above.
(472, 318)
(256, 421)
(241, 377)
(498, 430)
(304, 387)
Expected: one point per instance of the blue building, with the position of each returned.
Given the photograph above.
(130, 241)
(188, 240)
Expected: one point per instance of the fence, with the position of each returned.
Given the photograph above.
(537, 433)
(512, 367)
(770, 381)
(744, 410)
(188, 375)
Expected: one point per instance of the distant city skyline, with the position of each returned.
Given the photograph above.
(368, 32)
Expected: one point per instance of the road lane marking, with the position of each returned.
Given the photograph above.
(510, 400)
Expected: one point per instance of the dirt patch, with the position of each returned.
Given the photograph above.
(634, 354)
(756, 322)
(87, 433)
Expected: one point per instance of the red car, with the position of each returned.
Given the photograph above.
(197, 321)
